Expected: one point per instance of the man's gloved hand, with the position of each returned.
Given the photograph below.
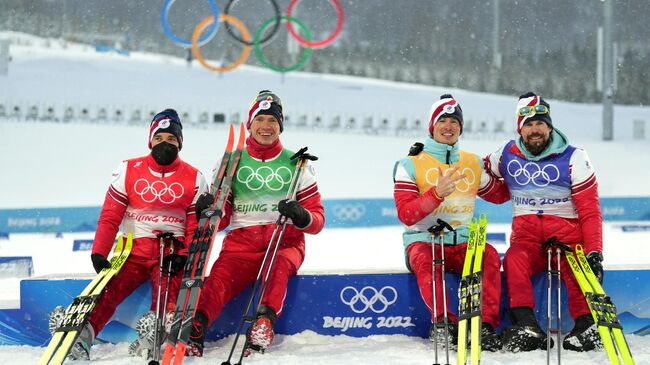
(595, 260)
(292, 209)
(202, 203)
(99, 262)
(176, 261)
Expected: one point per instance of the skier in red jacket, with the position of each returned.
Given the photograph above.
(554, 192)
(257, 198)
(148, 196)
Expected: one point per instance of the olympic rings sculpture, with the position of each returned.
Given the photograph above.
(267, 38)
(210, 27)
(164, 20)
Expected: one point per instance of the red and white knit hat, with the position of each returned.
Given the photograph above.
(447, 106)
(266, 103)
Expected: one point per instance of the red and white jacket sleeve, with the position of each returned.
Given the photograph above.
(491, 188)
(411, 205)
(584, 192)
(309, 197)
(112, 213)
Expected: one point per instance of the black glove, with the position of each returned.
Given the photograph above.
(99, 262)
(416, 148)
(202, 203)
(177, 263)
(292, 209)
(595, 260)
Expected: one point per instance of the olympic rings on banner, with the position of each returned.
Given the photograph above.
(164, 20)
(325, 42)
(196, 51)
(264, 40)
(260, 56)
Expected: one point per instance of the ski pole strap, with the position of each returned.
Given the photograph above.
(553, 242)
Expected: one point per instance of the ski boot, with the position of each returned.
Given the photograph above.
(260, 333)
(525, 333)
(143, 345)
(452, 334)
(490, 339)
(197, 336)
(584, 336)
(80, 350)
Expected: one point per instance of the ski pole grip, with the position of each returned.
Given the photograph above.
(170, 236)
(299, 153)
(302, 155)
(445, 225)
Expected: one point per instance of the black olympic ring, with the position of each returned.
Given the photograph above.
(264, 40)
(359, 296)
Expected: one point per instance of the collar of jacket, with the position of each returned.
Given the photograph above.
(559, 142)
(263, 152)
(440, 151)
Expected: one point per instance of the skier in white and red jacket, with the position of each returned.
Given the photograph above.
(148, 196)
(258, 197)
(554, 193)
(441, 181)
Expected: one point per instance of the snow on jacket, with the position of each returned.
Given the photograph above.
(418, 205)
(559, 186)
(147, 199)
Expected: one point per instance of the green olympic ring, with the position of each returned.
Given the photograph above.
(266, 62)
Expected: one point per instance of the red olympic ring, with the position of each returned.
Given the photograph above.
(317, 44)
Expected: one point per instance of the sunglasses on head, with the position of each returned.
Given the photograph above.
(527, 111)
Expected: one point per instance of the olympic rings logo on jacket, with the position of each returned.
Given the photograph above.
(264, 176)
(531, 172)
(149, 192)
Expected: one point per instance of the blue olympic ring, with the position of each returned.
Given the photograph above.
(212, 31)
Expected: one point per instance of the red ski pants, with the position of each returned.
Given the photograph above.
(135, 272)
(232, 272)
(525, 259)
(420, 260)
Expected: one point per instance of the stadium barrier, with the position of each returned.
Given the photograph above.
(339, 213)
(356, 305)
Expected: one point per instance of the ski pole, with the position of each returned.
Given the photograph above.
(271, 250)
(155, 350)
(439, 230)
(160, 307)
(559, 303)
(549, 245)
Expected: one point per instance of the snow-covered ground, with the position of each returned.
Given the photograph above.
(310, 348)
(65, 165)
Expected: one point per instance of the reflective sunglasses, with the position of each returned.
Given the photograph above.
(527, 111)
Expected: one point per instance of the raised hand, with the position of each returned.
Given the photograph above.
(447, 183)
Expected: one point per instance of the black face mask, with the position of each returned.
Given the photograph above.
(164, 153)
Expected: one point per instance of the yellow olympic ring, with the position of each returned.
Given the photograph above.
(196, 51)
